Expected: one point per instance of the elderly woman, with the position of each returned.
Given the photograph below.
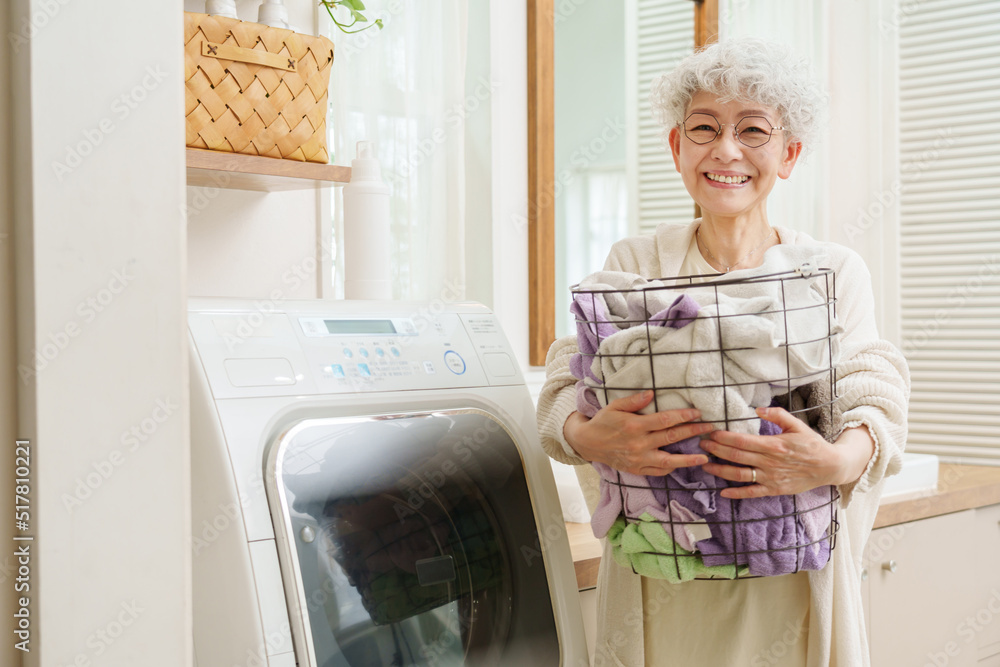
(737, 116)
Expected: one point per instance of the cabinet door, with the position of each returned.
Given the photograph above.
(987, 613)
(588, 605)
(924, 584)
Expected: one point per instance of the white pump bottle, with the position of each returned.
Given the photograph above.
(367, 272)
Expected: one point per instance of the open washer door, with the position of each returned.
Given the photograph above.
(409, 540)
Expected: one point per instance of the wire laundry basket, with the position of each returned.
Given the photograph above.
(725, 345)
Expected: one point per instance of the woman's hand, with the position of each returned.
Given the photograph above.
(796, 460)
(631, 443)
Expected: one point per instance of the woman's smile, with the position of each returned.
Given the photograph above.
(725, 175)
(724, 179)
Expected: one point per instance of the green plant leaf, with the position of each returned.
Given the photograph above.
(354, 7)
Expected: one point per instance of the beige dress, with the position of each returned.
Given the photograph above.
(706, 622)
(720, 623)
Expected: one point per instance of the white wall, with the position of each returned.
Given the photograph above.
(248, 244)
(100, 250)
(509, 160)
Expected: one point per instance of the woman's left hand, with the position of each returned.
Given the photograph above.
(796, 460)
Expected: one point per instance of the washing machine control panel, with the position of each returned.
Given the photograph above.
(343, 348)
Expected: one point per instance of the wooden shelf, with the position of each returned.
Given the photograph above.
(262, 174)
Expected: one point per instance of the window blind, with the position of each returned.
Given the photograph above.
(664, 35)
(950, 224)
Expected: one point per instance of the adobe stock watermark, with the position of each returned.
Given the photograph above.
(453, 120)
(780, 647)
(732, 10)
(910, 171)
(349, 45)
(131, 440)
(121, 108)
(956, 300)
(301, 271)
(450, 461)
(606, 650)
(107, 634)
(429, 314)
(226, 516)
(583, 157)
(900, 12)
(87, 310)
(203, 197)
(42, 13)
(966, 630)
(564, 9)
(275, 641)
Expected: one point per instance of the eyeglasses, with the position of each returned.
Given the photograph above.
(751, 131)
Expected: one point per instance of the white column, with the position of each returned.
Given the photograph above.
(508, 110)
(864, 180)
(102, 348)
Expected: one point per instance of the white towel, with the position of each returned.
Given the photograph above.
(775, 336)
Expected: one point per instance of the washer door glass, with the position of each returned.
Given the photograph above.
(410, 540)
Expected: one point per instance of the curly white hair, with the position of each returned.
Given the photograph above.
(747, 69)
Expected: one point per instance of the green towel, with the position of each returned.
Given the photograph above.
(648, 549)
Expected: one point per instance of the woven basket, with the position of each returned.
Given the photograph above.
(253, 89)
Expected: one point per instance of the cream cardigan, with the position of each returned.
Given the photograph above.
(873, 386)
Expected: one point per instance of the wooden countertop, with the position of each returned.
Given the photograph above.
(960, 487)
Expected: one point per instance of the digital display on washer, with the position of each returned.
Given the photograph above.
(360, 326)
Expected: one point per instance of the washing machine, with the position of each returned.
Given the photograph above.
(368, 489)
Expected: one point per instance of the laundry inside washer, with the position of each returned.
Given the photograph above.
(412, 563)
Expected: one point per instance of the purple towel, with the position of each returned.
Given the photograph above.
(766, 536)
(593, 325)
(693, 487)
(786, 536)
(587, 403)
(627, 495)
(780, 529)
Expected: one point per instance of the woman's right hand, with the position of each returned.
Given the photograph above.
(628, 442)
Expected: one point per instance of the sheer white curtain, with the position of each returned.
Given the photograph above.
(404, 88)
(594, 215)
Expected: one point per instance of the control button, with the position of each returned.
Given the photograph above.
(429, 367)
(379, 352)
(337, 370)
(348, 353)
(395, 351)
(364, 370)
(455, 362)
(310, 327)
(364, 352)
